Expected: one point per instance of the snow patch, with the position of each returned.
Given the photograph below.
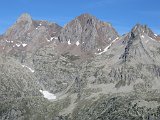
(153, 39)
(9, 41)
(99, 49)
(69, 42)
(24, 44)
(18, 45)
(149, 38)
(142, 36)
(52, 38)
(48, 95)
(48, 40)
(156, 35)
(105, 50)
(56, 38)
(77, 43)
(28, 68)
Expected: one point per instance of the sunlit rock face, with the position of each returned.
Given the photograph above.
(91, 33)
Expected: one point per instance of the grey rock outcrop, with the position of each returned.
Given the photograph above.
(27, 35)
(16, 81)
(55, 72)
(91, 33)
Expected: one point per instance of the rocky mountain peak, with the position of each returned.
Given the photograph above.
(22, 25)
(27, 35)
(141, 29)
(137, 42)
(91, 34)
(86, 17)
(89, 20)
(25, 18)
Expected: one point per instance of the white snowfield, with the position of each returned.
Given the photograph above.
(142, 36)
(48, 40)
(24, 44)
(28, 68)
(148, 38)
(99, 49)
(156, 35)
(48, 95)
(9, 41)
(56, 38)
(77, 43)
(105, 50)
(69, 42)
(18, 45)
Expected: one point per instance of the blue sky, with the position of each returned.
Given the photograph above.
(123, 14)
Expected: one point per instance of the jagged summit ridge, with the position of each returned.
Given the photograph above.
(22, 25)
(91, 33)
(86, 19)
(137, 43)
(120, 82)
(141, 29)
(25, 17)
(28, 35)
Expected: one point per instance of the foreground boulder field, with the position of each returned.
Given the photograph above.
(82, 71)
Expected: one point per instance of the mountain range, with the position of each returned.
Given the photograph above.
(84, 70)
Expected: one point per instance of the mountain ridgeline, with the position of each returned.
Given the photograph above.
(82, 71)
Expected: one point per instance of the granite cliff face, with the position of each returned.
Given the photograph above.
(83, 71)
(90, 33)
